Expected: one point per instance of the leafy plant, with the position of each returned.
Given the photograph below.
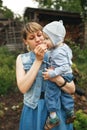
(81, 120)
(7, 70)
(79, 63)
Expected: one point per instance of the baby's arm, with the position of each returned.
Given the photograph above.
(52, 73)
(46, 74)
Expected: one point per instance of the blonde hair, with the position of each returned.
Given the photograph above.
(30, 27)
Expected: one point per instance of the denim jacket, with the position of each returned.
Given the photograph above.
(32, 96)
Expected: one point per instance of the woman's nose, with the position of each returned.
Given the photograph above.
(37, 38)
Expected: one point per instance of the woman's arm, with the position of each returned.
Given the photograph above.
(25, 80)
(68, 87)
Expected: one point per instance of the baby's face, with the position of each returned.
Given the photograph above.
(48, 41)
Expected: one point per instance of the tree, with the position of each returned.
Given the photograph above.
(66, 5)
(7, 13)
(84, 8)
(0, 3)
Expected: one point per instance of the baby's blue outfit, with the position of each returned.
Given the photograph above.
(34, 112)
(60, 59)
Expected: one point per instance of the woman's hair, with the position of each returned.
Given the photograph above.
(30, 28)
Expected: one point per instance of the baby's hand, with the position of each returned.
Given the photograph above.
(46, 74)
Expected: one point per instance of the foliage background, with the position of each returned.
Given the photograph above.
(7, 71)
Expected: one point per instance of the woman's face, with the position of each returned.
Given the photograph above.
(34, 39)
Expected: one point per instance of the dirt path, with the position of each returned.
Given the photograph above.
(10, 108)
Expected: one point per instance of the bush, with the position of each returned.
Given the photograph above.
(7, 70)
(7, 79)
(81, 121)
(80, 62)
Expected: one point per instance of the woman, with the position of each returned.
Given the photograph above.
(29, 68)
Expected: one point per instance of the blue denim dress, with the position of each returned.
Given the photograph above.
(34, 112)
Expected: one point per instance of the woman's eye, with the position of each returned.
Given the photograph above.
(30, 38)
(39, 35)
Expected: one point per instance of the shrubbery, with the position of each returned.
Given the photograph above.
(81, 121)
(7, 70)
(80, 63)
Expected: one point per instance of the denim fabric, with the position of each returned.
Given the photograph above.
(32, 96)
(53, 94)
(34, 117)
(66, 99)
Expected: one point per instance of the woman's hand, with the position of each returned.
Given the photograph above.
(39, 51)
